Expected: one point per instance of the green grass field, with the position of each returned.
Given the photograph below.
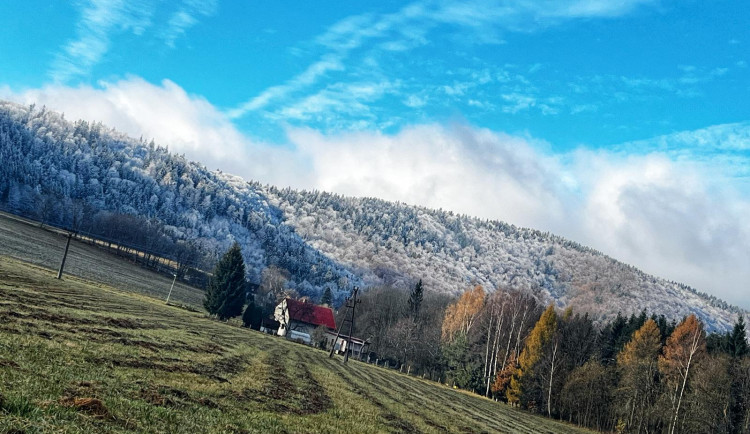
(45, 246)
(79, 356)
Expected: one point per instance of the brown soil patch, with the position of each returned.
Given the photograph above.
(314, 397)
(154, 397)
(93, 406)
(230, 365)
(152, 346)
(95, 331)
(208, 347)
(43, 315)
(171, 365)
(206, 402)
(281, 395)
(278, 385)
(58, 318)
(125, 323)
(4, 363)
(166, 396)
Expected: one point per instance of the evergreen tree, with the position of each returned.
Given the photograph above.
(415, 299)
(613, 337)
(737, 340)
(462, 368)
(225, 295)
(252, 316)
(736, 346)
(327, 298)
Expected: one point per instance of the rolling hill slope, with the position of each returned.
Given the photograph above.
(76, 174)
(78, 356)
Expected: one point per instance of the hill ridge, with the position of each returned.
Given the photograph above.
(83, 173)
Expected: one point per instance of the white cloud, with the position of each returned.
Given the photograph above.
(415, 101)
(186, 123)
(670, 219)
(723, 149)
(664, 206)
(460, 168)
(673, 218)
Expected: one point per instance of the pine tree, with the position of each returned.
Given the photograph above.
(415, 299)
(327, 298)
(225, 294)
(736, 346)
(737, 340)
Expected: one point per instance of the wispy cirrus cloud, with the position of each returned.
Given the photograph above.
(348, 98)
(186, 16)
(99, 20)
(311, 75)
(348, 43)
(102, 20)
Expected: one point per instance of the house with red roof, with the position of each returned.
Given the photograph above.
(298, 319)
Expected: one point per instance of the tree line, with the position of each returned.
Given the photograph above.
(636, 374)
(642, 373)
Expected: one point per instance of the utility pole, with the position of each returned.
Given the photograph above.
(350, 303)
(65, 255)
(354, 302)
(171, 288)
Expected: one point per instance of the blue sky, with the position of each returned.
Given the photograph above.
(623, 124)
(597, 78)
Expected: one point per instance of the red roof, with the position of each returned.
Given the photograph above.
(310, 313)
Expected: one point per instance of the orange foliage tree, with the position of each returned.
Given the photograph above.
(502, 380)
(684, 348)
(461, 315)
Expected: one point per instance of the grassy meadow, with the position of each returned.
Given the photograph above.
(28, 242)
(80, 356)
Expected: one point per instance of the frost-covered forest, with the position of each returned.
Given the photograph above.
(91, 178)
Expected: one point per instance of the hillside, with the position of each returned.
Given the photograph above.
(88, 177)
(113, 361)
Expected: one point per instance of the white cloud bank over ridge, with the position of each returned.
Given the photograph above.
(647, 205)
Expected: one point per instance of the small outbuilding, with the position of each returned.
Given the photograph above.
(358, 346)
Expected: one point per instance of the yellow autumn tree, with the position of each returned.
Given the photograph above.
(638, 364)
(684, 348)
(461, 315)
(541, 335)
